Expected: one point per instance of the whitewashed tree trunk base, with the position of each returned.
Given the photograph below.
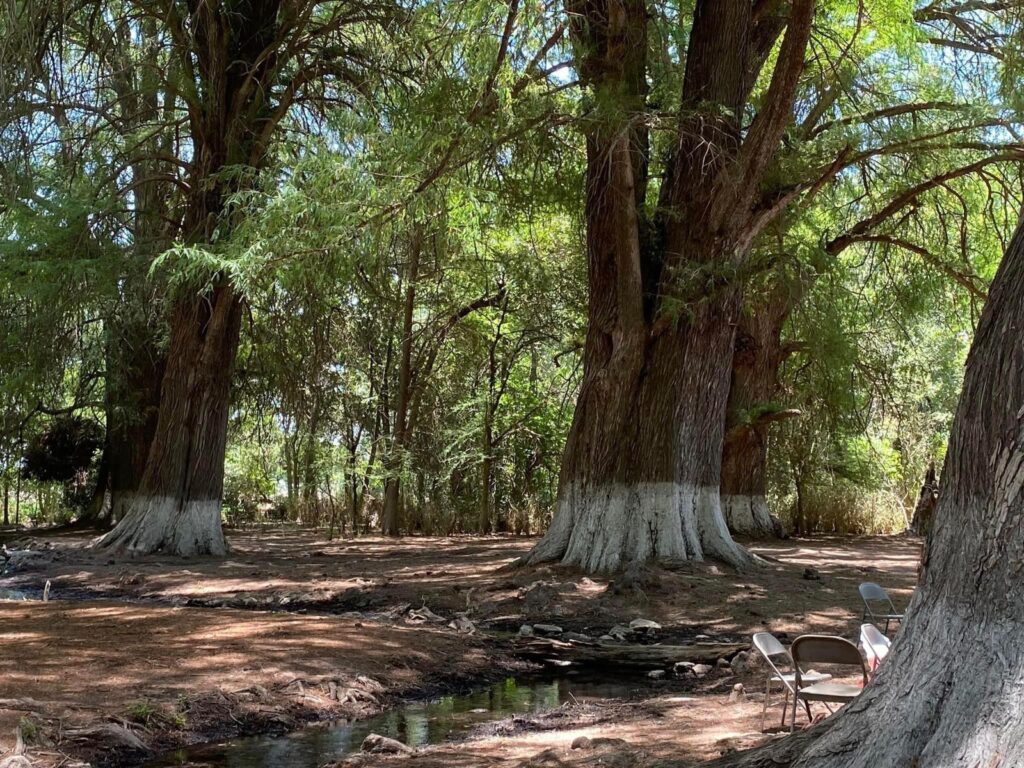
(748, 515)
(121, 506)
(167, 525)
(614, 527)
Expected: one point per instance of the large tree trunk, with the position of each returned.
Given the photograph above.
(758, 354)
(177, 507)
(232, 115)
(135, 368)
(134, 357)
(641, 471)
(638, 483)
(949, 692)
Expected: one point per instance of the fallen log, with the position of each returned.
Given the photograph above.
(625, 654)
(28, 705)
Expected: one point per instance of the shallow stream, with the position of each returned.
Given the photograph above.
(416, 723)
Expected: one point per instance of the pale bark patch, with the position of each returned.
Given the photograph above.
(122, 505)
(165, 524)
(616, 526)
(747, 515)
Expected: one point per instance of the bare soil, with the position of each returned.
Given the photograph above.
(291, 627)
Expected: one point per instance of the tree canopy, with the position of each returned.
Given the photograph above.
(401, 229)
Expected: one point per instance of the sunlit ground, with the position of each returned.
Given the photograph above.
(85, 661)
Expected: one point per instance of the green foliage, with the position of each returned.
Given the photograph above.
(28, 729)
(436, 134)
(141, 712)
(63, 450)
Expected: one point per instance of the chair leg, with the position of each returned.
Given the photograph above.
(792, 723)
(807, 706)
(785, 708)
(767, 694)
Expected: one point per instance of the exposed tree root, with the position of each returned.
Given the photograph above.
(618, 527)
(780, 753)
(190, 529)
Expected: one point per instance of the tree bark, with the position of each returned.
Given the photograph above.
(949, 692)
(134, 357)
(17, 495)
(135, 368)
(177, 507)
(924, 511)
(353, 484)
(233, 58)
(97, 512)
(641, 472)
(492, 399)
(757, 357)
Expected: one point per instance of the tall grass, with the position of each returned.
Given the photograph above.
(844, 508)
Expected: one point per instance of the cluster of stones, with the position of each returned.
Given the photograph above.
(617, 634)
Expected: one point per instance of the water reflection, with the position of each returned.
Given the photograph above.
(415, 724)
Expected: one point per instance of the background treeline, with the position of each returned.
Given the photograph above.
(412, 259)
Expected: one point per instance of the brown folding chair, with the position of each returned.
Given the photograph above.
(778, 659)
(824, 649)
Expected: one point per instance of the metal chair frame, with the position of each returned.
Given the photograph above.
(769, 646)
(873, 593)
(825, 649)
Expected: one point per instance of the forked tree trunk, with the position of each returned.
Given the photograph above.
(177, 507)
(234, 104)
(949, 694)
(641, 472)
(758, 355)
(638, 483)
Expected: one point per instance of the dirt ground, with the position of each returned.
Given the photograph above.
(141, 654)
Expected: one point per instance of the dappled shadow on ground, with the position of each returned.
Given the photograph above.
(71, 653)
(297, 564)
(294, 570)
(83, 660)
(685, 730)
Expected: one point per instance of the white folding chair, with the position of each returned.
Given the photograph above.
(875, 646)
(873, 594)
(773, 651)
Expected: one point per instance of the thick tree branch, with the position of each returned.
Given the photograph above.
(968, 281)
(770, 123)
(906, 198)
